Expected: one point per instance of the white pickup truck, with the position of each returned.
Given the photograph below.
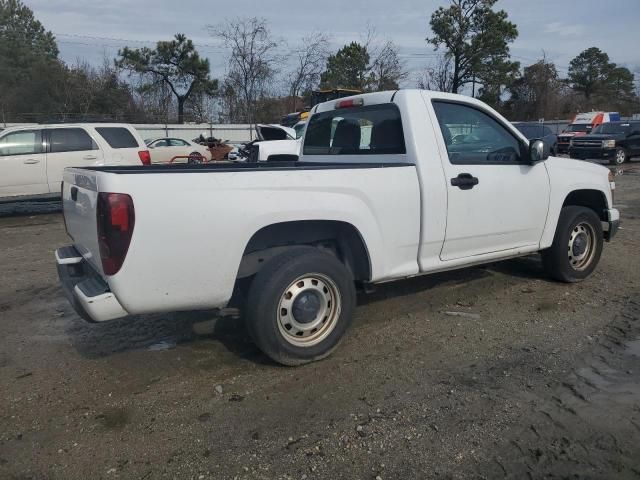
(389, 185)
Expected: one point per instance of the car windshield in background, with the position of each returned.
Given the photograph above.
(580, 127)
(612, 128)
(376, 129)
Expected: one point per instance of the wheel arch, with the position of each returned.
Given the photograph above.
(593, 199)
(341, 238)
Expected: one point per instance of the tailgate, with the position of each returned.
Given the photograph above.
(79, 203)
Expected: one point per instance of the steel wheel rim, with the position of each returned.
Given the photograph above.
(581, 248)
(620, 156)
(306, 332)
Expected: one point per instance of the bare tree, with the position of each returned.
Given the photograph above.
(311, 58)
(438, 76)
(387, 70)
(253, 60)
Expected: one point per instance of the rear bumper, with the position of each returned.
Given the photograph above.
(613, 223)
(87, 292)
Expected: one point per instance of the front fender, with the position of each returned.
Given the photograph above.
(567, 176)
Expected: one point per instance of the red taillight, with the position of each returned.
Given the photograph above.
(350, 103)
(145, 157)
(115, 220)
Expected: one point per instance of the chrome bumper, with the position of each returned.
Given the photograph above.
(87, 292)
(612, 224)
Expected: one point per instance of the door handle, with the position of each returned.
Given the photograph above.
(464, 181)
(31, 161)
(90, 157)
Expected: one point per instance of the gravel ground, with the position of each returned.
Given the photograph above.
(535, 380)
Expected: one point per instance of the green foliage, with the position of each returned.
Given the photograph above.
(476, 39)
(175, 63)
(348, 68)
(591, 73)
(21, 34)
(36, 86)
(26, 49)
(536, 93)
(353, 67)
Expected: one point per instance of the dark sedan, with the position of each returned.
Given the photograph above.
(539, 130)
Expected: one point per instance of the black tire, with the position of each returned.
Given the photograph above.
(620, 157)
(558, 259)
(195, 158)
(270, 288)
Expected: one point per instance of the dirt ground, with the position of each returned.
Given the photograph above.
(541, 381)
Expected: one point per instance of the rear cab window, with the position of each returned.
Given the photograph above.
(118, 137)
(367, 130)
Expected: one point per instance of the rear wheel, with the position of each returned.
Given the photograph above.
(576, 247)
(300, 305)
(195, 158)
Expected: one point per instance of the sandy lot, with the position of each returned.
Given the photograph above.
(545, 383)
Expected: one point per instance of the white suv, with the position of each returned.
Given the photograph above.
(32, 158)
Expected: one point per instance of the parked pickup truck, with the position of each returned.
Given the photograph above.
(438, 182)
(615, 141)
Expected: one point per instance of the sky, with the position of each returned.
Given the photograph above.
(90, 30)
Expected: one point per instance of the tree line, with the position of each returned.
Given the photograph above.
(266, 78)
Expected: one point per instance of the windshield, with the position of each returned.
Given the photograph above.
(612, 128)
(579, 127)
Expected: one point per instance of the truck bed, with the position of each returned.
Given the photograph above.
(191, 230)
(243, 167)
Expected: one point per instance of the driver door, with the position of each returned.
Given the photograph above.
(496, 201)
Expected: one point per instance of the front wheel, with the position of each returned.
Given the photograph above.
(576, 247)
(300, 305)
(620, 156)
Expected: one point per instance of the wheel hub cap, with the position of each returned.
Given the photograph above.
(306, 306)
(308, 310)
(581, 246)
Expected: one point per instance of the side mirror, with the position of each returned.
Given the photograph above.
(538, 151)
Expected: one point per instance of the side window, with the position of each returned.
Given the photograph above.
(25, 142)
(473, 137)
(161, 143)
(70, 140)
(176, 142)
(118, 137)
(372, 130)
